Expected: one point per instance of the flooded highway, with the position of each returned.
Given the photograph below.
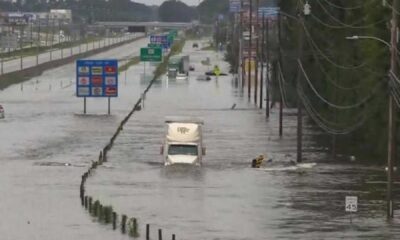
(46, 144)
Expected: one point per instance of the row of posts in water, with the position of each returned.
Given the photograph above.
(105, 214)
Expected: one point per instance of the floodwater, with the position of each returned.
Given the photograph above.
(46, 144)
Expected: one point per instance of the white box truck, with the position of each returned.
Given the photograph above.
(178, 67)
(183, 142)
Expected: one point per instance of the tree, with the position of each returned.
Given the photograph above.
(210, 9)
(175, 11)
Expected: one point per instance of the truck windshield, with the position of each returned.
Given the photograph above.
(182, 150)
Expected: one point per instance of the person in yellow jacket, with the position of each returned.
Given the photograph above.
(256, 163)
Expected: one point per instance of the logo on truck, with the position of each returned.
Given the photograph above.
(183, 130)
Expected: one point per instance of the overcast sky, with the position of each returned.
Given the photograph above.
(159, 2)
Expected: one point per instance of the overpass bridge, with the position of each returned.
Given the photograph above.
(147, 25)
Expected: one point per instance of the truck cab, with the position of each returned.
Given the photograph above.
(178, 67)
(183, 143)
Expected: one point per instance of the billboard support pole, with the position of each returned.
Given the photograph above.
(144, 73)
(109, 106)
(84, 105)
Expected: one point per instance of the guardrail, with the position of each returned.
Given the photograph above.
(105, 213)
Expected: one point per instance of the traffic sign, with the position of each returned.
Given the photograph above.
(154, 45)
(95, 78)
(268, 11)
(234, 6)
(151, 54)
(351, 204)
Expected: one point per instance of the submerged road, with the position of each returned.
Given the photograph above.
(46, 144)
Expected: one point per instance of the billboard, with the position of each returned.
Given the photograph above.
(164, 40)
(97, 78)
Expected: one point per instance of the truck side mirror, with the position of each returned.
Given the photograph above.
(203, 151)
(161, 150)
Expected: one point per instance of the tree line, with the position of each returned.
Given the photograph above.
(88, 11)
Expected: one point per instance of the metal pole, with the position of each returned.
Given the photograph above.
(392, 111)
(280, 77)
(281, 101)
(298, 86)
(267, 85)
(84, 105)
(249, 50)
(21, 33)
(38, 44)
(47, 30)
(59, 40)
(262, 61)
(52, 39)
(242, 44)
(109, 106)
(31, 35)
(257, 55)
(71, 43)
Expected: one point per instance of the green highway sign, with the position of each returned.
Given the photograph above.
(173, 33)
(154, 45)
(151, 54)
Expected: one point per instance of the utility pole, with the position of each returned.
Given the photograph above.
(242, 44)
(267, 62)
(262, 61)
(280, 76)
(257, 54)
(307, 11)
(38, 44)
(21, 34)
(249, 49)
(392, 110)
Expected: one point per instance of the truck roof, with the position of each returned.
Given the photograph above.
(183, 119)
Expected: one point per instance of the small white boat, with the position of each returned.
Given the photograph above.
(181, 76)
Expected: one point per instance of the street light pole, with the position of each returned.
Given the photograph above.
(306, 11)
(249, 50)
(392, 111)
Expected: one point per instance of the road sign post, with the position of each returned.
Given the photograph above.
(351, 205)
(97, 78)
(151, 54)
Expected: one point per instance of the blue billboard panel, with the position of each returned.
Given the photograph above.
(268, 11)
(162, 40)
(234, 6)
(97, 78)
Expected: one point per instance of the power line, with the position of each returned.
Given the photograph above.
(341, 27)
(321, 122)
(345, 8)
(395, 10)
(343, 107)
(339, 21)
(330, 80)
(312, 42)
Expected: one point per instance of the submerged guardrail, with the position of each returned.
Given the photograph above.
(105, 213)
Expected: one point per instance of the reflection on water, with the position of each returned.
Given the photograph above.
(182, 171)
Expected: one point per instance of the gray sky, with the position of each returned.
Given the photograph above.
(159, 2)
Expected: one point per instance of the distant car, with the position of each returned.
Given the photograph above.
(1, 112)
(203, 78)
(195, 45)
(191, 68)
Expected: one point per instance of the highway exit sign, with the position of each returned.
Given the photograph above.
(151, 54)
